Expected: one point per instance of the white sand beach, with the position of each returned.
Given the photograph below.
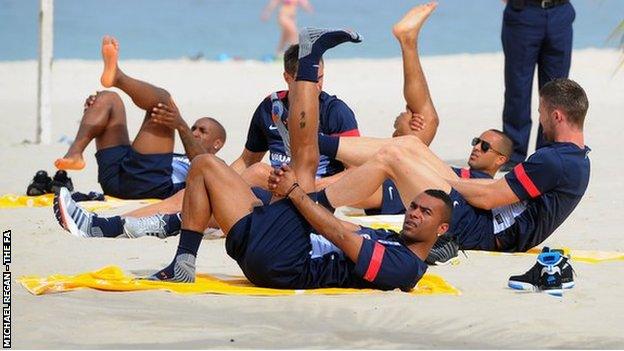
(468, 93)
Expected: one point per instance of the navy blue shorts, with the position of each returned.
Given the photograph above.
(474, 226)
(391, 203)
(272, 247)
(127, 174)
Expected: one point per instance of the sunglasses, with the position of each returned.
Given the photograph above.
(485, 146)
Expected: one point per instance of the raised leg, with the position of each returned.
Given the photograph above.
(415, 89)
(104, 120)
(395, 162)
(152, 138)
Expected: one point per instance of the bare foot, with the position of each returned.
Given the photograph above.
(409, 26)
(74, 162)
(110, 54)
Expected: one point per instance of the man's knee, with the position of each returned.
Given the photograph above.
(107, 97)
(410, 142)
(203, 161)
(391, 155)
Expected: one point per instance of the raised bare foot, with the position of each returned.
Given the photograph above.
(110, 54)
(70, 162)
(409, 26)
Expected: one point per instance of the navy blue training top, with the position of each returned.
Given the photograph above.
(549, 184)
(268, 129)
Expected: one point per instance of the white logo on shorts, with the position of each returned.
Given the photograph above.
(272, 127)
(390, 192)
(455, 203)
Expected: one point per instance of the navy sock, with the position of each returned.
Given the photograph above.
(189, 242)
(312, 45)
(328, 145)
(110, 227)
(321, 198)
(173, 224)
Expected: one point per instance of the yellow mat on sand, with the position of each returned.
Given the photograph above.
(394, 222)
(112, 278)
(16, 201)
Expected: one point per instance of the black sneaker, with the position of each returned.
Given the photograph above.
(61, 180)
(548, 274)
(443, 251)
(39, 185)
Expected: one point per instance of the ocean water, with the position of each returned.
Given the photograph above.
(170, 29)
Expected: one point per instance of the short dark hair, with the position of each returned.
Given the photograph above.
(567, 95)
(506, 147)
(446, 199)
(219, 129)
(291, 60)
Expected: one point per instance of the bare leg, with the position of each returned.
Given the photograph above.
(303, 129)
(105, 121)
(152, 138)
(213, 188)
(415, 89)
(396, 162)
(256, 175)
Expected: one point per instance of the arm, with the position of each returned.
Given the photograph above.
(169, 115)
(282, 182)
(485, 196)
(268, 9)
(246, 159)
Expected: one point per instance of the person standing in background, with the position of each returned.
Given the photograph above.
(287, 19)
(534, 32)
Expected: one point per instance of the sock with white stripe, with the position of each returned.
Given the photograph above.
(313, 43)
(182, 269)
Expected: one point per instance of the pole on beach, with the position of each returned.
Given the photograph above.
(46, 43)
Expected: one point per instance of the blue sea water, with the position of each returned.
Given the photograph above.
(170, 29)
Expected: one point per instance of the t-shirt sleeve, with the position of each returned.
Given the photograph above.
(341, 120)
(537, 175)
(387, 267)
(256, 138)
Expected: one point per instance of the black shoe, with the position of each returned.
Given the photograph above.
(39, 185)
(548, 274)
(443, 251)
(61, 180)
(508, 166)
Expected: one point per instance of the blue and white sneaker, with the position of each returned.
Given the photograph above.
(551, 273)
(72, 217)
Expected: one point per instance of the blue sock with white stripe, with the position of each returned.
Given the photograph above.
(313, 43)
(109, 227)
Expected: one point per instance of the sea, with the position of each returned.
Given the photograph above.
(232, 29)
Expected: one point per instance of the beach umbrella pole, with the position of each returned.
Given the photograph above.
(46, 43)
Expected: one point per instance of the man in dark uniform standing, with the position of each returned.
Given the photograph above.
(534, 32)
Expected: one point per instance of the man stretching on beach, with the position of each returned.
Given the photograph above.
(275, 244)
(147, 167)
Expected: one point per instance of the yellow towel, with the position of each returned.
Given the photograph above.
(112, 278)
(394, 222)
(15, 201)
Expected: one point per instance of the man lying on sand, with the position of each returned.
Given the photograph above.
(147, 167)
(275, 243)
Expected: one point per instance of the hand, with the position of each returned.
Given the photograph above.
(167, 115)
(281, 180)
(408, 122)
(90, 101)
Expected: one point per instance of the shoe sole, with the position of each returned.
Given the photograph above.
(516, 285)
(66, 221)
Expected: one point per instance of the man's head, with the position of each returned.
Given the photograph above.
(210, 134)
(563, 106)
(427, 216)
(291, 64)
(490, 151)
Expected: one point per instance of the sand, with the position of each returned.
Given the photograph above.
(468, 93)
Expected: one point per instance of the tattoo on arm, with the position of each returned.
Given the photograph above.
(302, 120)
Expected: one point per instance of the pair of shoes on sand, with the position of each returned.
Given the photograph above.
(43, 184)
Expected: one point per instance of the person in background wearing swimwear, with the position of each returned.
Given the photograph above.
(287, 19)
